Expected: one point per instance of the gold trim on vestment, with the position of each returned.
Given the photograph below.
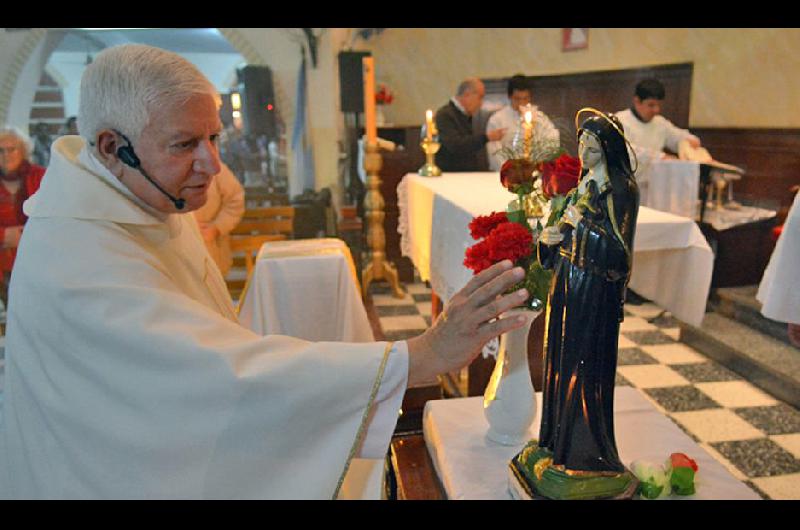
(362, 428)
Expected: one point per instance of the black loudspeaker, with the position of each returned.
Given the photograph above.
(258, 100)
(351, 81)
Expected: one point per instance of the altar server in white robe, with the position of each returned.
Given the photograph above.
(510, 118)
(650, 133)
(127, 374)
(779, 292)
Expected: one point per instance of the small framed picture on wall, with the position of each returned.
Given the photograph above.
(574, 39)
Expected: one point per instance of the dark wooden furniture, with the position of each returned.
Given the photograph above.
(741, 253)
(412, 475)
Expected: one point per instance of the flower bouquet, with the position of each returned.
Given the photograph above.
(541, 175)
(384, 95)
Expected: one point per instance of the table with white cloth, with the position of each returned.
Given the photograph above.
(470, 466)
(672, 262)
(670, 185)
(305, 288)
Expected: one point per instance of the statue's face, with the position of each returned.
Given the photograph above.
(589, 150)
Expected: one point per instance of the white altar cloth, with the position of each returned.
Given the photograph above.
(305, 288)
(670, 185)
(471, 467)
(672, 263)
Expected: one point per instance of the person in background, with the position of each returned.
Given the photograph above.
(219, 215)
(41, 144)
(70, 126)
(19, 179)
(462, 147)
(646, 129)
(779, 291)
(510, 117)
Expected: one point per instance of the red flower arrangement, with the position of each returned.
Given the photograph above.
(515, 172)
(560, 175)
(503, 240)
(383, 96)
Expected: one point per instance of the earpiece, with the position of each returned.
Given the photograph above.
(128, 157)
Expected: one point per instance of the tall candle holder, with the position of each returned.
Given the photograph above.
(377, 267)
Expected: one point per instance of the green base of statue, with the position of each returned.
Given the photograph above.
(533, 476)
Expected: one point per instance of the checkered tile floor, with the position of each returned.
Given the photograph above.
(755, 436)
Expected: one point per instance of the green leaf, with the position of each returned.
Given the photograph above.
(682, 480)
(650, 490)
(518, 216)
(537, 281)
(557, 206)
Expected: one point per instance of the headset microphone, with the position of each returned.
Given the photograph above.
(129, 158)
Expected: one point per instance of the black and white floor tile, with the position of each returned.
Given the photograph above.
(755, 436)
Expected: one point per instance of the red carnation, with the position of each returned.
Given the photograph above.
(510, 241)
(516, 171)
(482, 225)
(477, 257)
(560, 175)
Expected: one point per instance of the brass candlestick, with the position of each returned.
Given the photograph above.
(377, 267)
(430, 147)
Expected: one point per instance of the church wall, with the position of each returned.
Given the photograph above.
(742, 77)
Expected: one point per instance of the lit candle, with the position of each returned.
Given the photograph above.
(429, 125)
(528, 125)
(369, 99)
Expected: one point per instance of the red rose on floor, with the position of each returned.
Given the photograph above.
(516, 171)
(509, 241)
(560, 175)
(482, 225)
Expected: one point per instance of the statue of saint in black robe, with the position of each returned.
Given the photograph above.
(591, 266)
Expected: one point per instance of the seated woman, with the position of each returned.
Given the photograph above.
(19, 179)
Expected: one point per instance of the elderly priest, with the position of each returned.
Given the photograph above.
(127, 373)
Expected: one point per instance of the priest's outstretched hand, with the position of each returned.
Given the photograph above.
(468, 321)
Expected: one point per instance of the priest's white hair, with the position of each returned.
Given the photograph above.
(125, 84)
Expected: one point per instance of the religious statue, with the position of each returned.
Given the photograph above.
(590, 253)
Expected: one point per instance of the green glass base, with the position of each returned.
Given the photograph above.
(536, 478)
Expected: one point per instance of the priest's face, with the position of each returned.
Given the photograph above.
(178, 149)
(648, 108)
(472, 99)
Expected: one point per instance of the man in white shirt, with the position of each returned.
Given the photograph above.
(645, 128)
(127, 374)
(510, 119)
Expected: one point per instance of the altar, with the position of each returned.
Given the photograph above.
(468, 466)
(672, 262)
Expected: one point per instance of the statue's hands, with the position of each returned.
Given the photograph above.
(551, 236)
(572, 215)
(467, 323)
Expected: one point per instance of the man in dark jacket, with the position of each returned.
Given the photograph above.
(462, 147)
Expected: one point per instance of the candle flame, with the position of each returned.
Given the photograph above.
(528, 117)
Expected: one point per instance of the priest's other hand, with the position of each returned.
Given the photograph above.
(467, 323)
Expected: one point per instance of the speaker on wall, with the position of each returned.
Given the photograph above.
(351, 81)
(258, 100)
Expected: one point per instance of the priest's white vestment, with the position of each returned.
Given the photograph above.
(779, 291)
(128, 376)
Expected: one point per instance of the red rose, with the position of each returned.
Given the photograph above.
(482, 225)
(516, 171)
(681, 460)
(560, 175)
(510, 241)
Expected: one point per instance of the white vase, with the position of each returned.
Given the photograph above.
(380, 118)
(509, 402)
